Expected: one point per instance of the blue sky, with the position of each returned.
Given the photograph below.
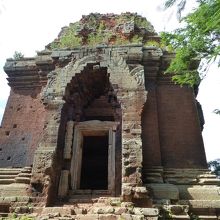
(28, 25)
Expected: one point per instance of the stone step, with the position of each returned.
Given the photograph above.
(207, 176)
(201, 204)
(94, 212)
(79, 208)
(209, 181)
(27, 168)
(89, 193)
(27, 175)
(37, 210)
(82, 210)
(11, 172)
(179, 217)
(60, 210)
(2, 214)
(153, 180)
(179, 175)
(38, 200)
(207, 217)
(82, 200)
(186, 170)
(26, 171)
(81, 192)
(10, 169)
(6, 181)
(156, 170)
(153, 174)
(24, 209)
(181, 181)
(66, 213)
(184, 173)
(7, 176)
(22, 180)
(18, 199)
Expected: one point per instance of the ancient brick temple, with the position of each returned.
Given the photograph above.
(94, 129)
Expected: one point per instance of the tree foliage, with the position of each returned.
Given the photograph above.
(18, 55)
(217, 111)
(180, 5)
(214, 165)
(198, 39)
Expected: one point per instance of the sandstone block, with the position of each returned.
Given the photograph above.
(103, 210)
(63, 184)
(126, 190)
(9, 199)
(6, 181)
(115, 201)
(127, 204)
(108, 217)
(208, 217)
(138, 217)
(150, 212)
(77, 211)
(199, 192)
(126, 216)
(87, 217)
(61, 210)
(207, 204)
(120, 210)
(163, 191)
(151, 218)
(180, 217)
(137, 211)
(209, 181)
(22, 180)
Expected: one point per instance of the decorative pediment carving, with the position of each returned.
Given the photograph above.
(138, 73)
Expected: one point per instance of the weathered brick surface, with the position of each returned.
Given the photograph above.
(22, 128)
(150, 133)
(180, 135)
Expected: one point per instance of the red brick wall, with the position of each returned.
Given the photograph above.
(180, 135)
(22, 128)
(150, 131)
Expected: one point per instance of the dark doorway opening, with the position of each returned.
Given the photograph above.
(94, 170)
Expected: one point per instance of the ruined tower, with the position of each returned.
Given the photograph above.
(93, 119)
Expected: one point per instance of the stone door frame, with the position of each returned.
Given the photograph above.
(93, 128)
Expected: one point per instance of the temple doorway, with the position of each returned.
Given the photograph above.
(94, 170)
(93, 157)
(92, 149)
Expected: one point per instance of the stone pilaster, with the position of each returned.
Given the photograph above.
(63, 184)
(132, 144)
(43, 174)
(68, 140)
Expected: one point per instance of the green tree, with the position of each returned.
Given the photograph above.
(18, 55)
(217, 111)
(214, 165)
(198, 39)
(179, 3)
